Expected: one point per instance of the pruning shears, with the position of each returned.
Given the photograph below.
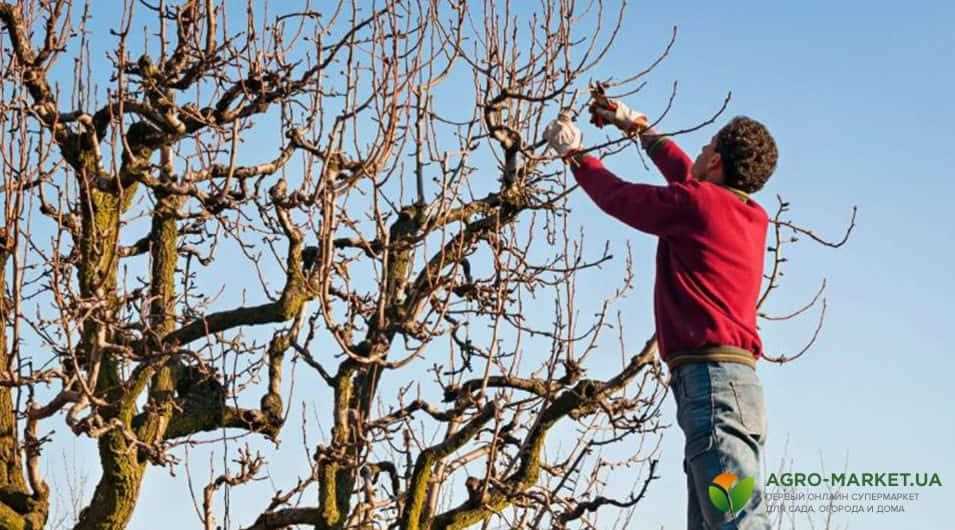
(598, 97)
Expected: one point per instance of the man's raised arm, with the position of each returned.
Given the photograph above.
(665, 153)
(657, 210)
(672, 161)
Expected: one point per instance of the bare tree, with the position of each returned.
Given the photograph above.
(407, 220)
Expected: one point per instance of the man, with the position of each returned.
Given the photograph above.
(712, 238)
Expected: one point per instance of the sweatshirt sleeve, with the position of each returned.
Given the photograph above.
(670, 159)
(658, 210)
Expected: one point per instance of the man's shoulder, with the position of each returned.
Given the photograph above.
(690, 185)
(760, 211)
(715, 197)
(689, 192)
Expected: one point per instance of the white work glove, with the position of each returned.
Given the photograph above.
(562, 135)
(617, 113)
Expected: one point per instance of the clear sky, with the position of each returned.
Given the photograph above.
(859, 97)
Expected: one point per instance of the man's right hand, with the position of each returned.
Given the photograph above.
(623, 117)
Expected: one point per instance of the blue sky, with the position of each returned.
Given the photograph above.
(858, 96)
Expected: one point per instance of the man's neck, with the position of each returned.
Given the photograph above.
(738, 192)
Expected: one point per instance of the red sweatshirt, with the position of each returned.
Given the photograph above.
(709, 257)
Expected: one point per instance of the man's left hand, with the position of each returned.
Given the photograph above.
(563, 136)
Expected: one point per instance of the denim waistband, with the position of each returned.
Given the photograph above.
(715, 354)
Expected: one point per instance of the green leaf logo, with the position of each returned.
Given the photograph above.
(729, 494)
(719, 498)
(741, 492)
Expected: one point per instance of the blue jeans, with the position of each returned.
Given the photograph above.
(721, 410)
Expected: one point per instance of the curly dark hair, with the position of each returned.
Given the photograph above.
(748, 153)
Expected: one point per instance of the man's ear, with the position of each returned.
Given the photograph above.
(714, 166)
